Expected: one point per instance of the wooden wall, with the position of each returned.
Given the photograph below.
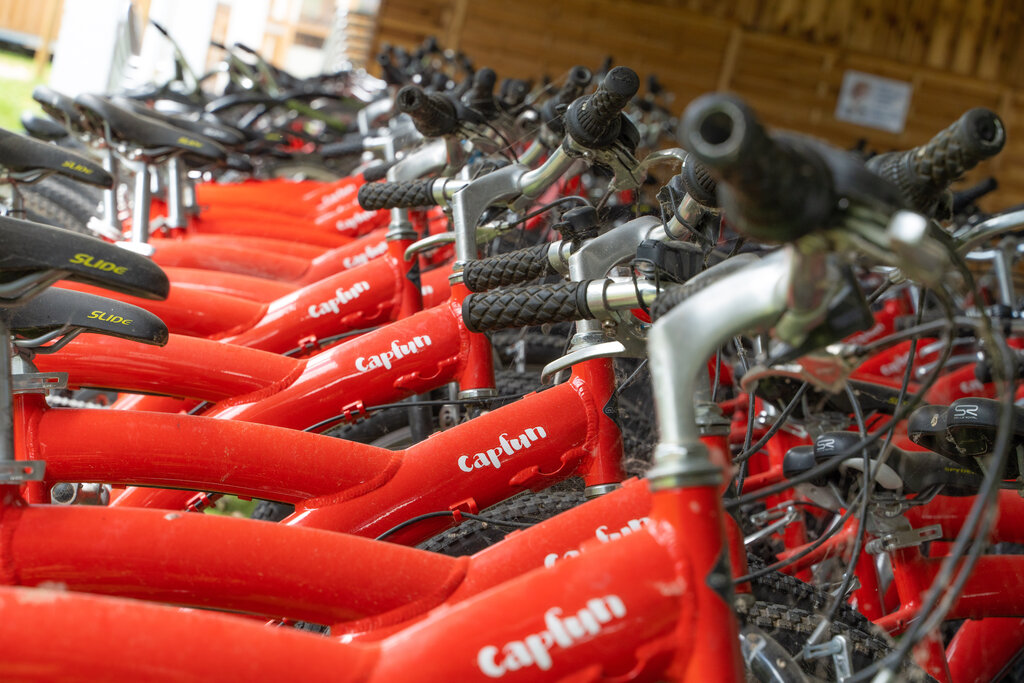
(787, 57)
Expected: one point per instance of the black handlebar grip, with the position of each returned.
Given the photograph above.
(372, 174)
(433, 114)
(595, 120)
(481, 94)
(576, 82)
(401, 195)
(523, 306)
(924, 173)
(503, 270)
(698, 182)
(391, 74)
(342, 148)
(773, 188)
(964, 198)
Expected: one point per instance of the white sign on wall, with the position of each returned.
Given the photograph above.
(873, 101)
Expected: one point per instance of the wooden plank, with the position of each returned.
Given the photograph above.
(944, 31)
(967, 36)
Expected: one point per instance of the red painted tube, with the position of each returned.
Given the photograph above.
(469, 467)
(231, 258)
(415, 354)
(52, 635)
(227, 370)
(192, 312)
(982, 648)
(223, 563)
(232, 284)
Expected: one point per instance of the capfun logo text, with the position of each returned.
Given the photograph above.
(341, 296)
(398, 350)
(561, 632)
(372, 251)
(355, 220)
(505, 446)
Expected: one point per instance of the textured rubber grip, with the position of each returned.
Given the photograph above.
(377, 172)
(698, 182)
(433, 114)
(674, 296)
(773, 188)
(576, 82)
(515, 267)
(402, 195)
(342, 148)
(481, 95)
(923, 173)
(523, 306)
(594, 120)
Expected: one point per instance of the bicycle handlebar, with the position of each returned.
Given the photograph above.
(433, 114)
(595, 120)
(774, 188)
(698, 182)
(575, 83)
(507, 269)
(530, 305)
(343, 148)
(401, 195)
(481, 94)
(923, 173)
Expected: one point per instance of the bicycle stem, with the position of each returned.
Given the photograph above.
(752, 297)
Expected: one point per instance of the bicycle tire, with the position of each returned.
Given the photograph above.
(55, 203)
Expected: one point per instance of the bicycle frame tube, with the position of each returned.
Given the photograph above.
(337, 484)
(362, 297)
(196, 568)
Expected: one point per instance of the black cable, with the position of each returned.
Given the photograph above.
(550, 205)
(748, 436)
(323, 424)
(866, 487)
(450, 513)
(749, 451)
(718, 375)
(901, 335)
(633, 375)
(879, 291)
(944, 589)
(329, 340)
(834, 462)
(835, 528)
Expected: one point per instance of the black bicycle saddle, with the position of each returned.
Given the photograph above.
(157, 139)
(28, 248)
(59, 308)
(21, 154)
(219, 133)
(57, 105)
(41, 128)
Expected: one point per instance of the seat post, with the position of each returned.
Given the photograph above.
(140, 215)
(110, 194)
(175, 193)
(6, 396)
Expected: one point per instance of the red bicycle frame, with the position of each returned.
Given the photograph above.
(337, 484)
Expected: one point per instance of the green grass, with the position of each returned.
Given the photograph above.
(16, 83)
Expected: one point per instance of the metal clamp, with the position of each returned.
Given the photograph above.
(39, 382)
(903, 539)
(784, 519)
(839, 649)
(21, 471)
